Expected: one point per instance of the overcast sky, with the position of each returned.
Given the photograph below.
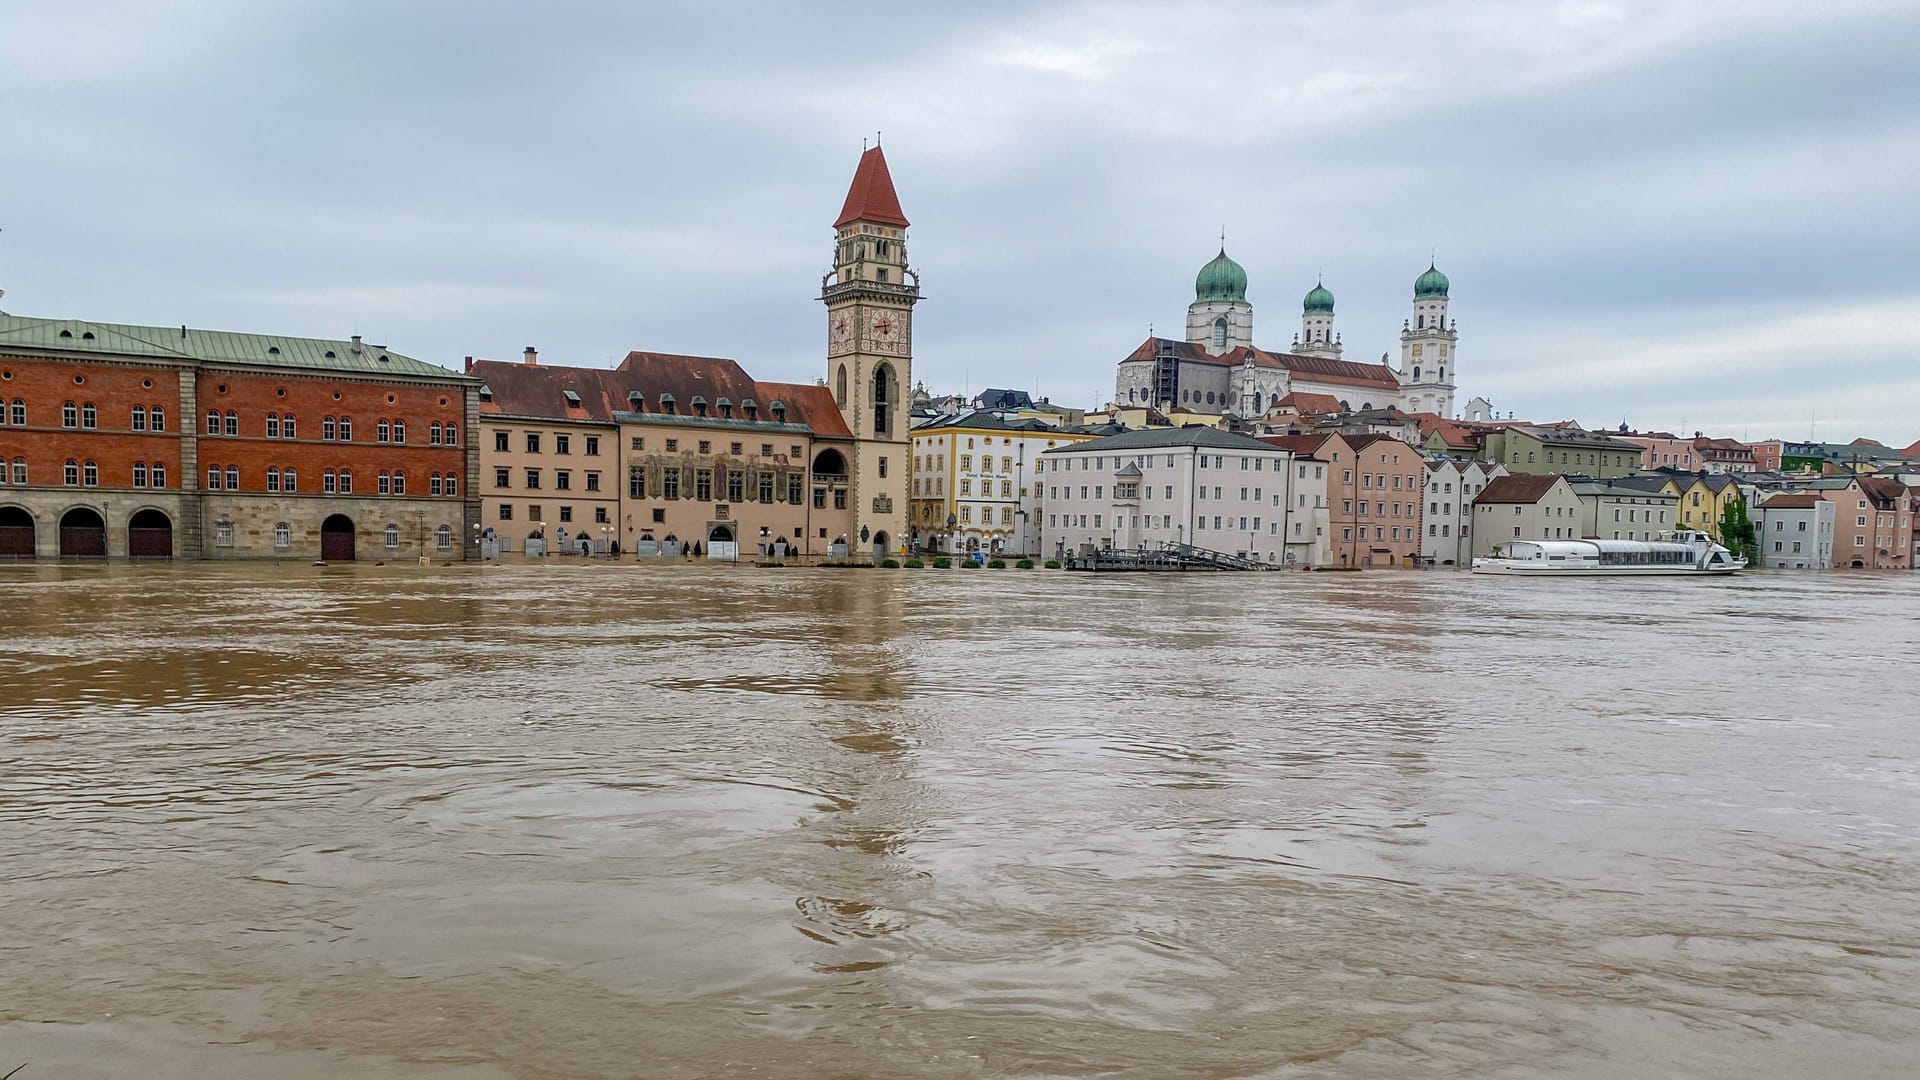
(1687, 216)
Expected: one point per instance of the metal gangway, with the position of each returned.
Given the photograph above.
(1163, 558)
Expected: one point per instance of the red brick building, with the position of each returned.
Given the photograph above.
(167, 442)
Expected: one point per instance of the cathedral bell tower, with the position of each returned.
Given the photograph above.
(870, 294)
(1427, 349)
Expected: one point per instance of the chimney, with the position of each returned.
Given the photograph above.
(532, 356)
(469, 365)
(356, 343)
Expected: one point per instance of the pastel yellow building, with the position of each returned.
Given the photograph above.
(972, 483)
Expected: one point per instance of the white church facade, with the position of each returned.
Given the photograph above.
(1219, 370)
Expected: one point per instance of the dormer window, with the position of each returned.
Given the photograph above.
(699, 405)
(779, 412)
(725, 406)
(749, 409)
(667, 405)
(486, 393)
(573, 399)
(636, 400)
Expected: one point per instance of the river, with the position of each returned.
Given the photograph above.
(468, 823)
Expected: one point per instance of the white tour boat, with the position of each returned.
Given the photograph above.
(1673, 553)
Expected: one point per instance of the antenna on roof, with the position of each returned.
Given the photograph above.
(863, 144)
(876, 136)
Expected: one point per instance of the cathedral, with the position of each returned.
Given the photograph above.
(1219, 370)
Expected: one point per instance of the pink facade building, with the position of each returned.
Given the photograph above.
(1375, 488)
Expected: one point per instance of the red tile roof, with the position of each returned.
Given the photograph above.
(1309, 404)
(1299, 444)
(871, 197)
(1792, 500)
(808, 404)
(519, 389)
(1516, 488)
(1912, 451)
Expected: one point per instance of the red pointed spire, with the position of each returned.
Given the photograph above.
(871, 197)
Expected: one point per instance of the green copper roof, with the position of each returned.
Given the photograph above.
(1431, 283)
(19, 332)
(1221, 279)
(1318, 299)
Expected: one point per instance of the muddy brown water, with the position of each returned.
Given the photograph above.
(600, 821)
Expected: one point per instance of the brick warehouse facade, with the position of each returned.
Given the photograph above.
(166, 442)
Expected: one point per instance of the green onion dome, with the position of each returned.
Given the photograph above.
(1221, 279)
(1431, 283)
(1319, 299)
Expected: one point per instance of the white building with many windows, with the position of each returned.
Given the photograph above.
(1795, 531)
(1451, 487)
(972, 486)
(1193, 485)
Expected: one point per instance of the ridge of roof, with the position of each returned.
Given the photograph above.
(214, 347)
(871, 196)
(1517, 488)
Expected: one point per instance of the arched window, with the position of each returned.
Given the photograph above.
(433, 433)
(1416, 374)
(443, 538)
(393, 536)
(326, 481)
(19, 470)
(883, 395)
(399, 483)
(1443, 374)
(139, 474)
(233, 478)
(233, 422)
(282, 536)
(453, 484)
(289, 479)
(400, 431)
(273, 478)
(19, 410)
(450, 435)
(383, 484)
(69, 415)
(1220, 332)
(346, 481)
(213, 477)
(90, 474)
(157, 419)
(70, 475)
(326, 428)
(382, 431)
(213, 421)
(89, 416)
(1420, 323)
(139, 422)
(273, 425)
(840, 387)
(433, 482)
(286, 426)
(346, 429)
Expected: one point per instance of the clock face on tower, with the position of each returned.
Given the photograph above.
(839, 332)
(887, 332)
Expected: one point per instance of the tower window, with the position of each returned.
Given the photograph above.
(1420, 323)
(1220, 333)
(880, 274)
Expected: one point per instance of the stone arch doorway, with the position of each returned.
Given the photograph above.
(830, 464)
(150, 535)
(880, 542)
(83, 534)
(336, 539)
(721, 543)
(16, 533)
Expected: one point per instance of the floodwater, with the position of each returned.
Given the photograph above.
(603, 821)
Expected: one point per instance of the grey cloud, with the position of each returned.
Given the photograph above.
(1599, 179)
